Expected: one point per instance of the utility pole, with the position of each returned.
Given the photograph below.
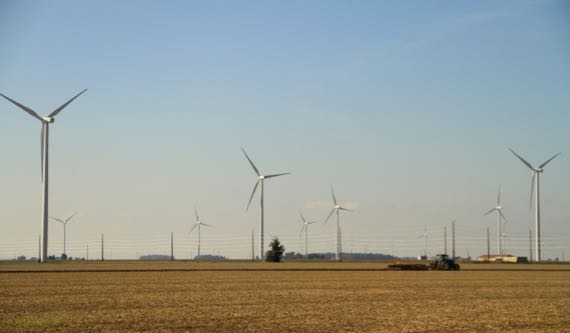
(102, 247)
(40, 248)
(172, 246)
(87, 252)
(488, 246)
(453, 239)
(252, 247)
(530, 243)
(445, 239)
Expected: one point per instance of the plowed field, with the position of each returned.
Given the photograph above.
(285, 301)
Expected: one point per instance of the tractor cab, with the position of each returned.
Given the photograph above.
(440, 257)
(444, 263)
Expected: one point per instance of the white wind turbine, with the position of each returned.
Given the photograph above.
(534, 190)
(305, 228)
(45, 164)
(198, 224)
(500, 216)
(260, 179)
(425, 236)
(337, 208)
(64, 228)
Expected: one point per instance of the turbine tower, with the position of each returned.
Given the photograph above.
(500, 216)
(260, 179)
(305, 228)
(337, 208)
(425, 236)
(534, 191)
(64, 228)
(45, 165)
(198, 224)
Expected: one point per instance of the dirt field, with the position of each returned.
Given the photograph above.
(282, 300)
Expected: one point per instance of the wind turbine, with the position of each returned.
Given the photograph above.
(198, 224)
(260, 179)
(534, 190)
(499, 210)
(305, 228)
(64, 228)
(425, 236)
(337, 208)
(45, 164)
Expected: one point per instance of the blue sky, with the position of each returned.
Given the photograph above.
(407, 108)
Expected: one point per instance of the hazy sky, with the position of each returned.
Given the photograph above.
(406, 108)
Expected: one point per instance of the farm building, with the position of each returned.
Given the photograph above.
(503, 258)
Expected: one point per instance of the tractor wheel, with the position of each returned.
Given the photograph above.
(457, 267)
(445, 266)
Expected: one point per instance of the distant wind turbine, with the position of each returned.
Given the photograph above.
(499, 210)
(198, 224)
(534, 190)
(45, 164)
(425, 236)
(260, 179)
(64, 228)
(305, 228)
(337, 208)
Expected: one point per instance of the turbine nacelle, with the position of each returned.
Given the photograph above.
(261, 177)
(48, 119)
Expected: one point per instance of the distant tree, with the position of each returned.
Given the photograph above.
(276, 252)
(63, 256)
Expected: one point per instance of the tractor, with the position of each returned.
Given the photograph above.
(442, 262)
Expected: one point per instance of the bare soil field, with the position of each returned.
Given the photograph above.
(190, 265)
(206, 298)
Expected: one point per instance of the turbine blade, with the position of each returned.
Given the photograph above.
(58, 110)
(302, 217)
(333, 196)
(302, 229)
(207, 225)
(489, 212)
(329, 216)
(196, 213)
(499, 197)
(276, 175)
(550, 159)
(503, 216)
(252, 193)
(532, 189)
(25, 108)
(42, 149)
(69, 218)
(345, 209)
(522, 159)
(193, 227)
(311, 222)
(250, 162)
(58, 220)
